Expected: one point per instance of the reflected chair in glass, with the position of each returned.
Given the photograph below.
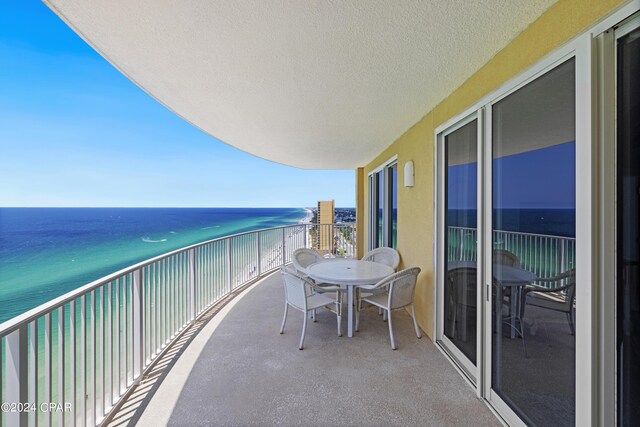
(399, 289)
(505, 257)
(299, 294)
(556, 293)
(303, 258)
(462, 291)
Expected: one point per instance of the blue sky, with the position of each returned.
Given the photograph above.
(75, 132)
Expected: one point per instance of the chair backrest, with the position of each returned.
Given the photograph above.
(304, 257)
(387, 256)
(565, 281)
(460, 280)
(295, 287)
(401, 287)
(504, 257)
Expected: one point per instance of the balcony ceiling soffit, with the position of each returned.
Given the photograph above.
(319, 85)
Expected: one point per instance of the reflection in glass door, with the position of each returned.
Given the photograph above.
(460, 311)
(532, 262)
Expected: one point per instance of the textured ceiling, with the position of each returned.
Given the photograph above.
(325, 84)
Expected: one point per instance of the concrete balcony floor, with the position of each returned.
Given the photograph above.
(240, 371)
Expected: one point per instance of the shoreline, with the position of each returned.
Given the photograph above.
(308, 217)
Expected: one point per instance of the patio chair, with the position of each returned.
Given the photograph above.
(558, 294)
(298, 291)
(383, 255)
(504, 257)
(303, 258)
(387, 256)
(462, 291)
(401, 287)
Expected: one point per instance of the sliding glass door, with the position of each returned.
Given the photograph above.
(628, 228)
(532, 249)
(506, 248)
(458, 283)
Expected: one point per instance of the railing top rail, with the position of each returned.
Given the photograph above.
(15, 322)
(516, 232)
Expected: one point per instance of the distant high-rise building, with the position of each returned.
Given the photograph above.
(326, 217)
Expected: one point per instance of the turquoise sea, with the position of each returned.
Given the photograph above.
(46, 252)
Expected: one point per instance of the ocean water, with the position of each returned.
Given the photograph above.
(46, 252)
(552, 222)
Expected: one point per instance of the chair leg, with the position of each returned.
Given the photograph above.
(313, 315)
(571, 325)
(284, 319)
(358, 306)
(415, 324)
(304, 330)
(339, 315)
(393, 341)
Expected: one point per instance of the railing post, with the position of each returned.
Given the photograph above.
(61, 364)
(229, 284)
(306, 230)
(16, 375)
(284, 256)
(33, 369)
(192, 284)
(259, 249)
(138, 333)
(562, 248)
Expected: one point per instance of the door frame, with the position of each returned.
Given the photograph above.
(471, 372)
(606, 50)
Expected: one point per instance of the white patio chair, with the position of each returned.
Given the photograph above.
(298, 291)
(383, 255)
(400, 294)
(387, 256)
(303, 258)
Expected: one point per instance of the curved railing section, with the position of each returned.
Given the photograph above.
(72, 360)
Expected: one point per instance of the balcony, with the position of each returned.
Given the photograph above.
(243, 372)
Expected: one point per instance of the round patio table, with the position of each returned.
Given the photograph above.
(349, 273)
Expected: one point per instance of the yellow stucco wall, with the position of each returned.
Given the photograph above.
(563, 21)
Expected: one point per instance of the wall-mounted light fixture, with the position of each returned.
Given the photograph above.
(408, 174)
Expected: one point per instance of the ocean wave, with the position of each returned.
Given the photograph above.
(213, 226)
(172, 232)
(146, 239)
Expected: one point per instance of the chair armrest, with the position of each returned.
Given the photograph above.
(542, 289)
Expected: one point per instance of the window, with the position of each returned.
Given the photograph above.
(383, 206)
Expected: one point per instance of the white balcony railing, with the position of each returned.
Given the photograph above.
(541, 254)
(87, 349)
